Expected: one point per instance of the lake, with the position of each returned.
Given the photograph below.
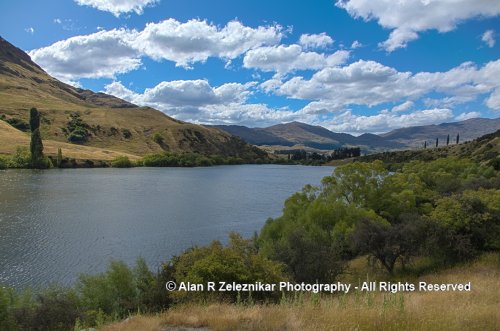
(57, 224)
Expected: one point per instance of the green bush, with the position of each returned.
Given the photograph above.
(157, 138)
(237, 262)
(121, 162)
(4, 162)
(21, 159)
(78, 130)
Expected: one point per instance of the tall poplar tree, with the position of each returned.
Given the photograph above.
(36, 145)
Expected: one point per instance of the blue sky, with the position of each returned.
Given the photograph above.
(351, 66)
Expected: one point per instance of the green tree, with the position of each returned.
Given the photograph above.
(447, 140)
(36, 150)
(38, 161)
(389, 243)
(59, 159)
(34, 119)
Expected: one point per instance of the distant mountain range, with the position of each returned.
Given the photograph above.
(301, 135)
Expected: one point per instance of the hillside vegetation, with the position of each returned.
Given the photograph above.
(12, 138)
(485, 149)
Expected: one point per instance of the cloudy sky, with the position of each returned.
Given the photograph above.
(349, 65)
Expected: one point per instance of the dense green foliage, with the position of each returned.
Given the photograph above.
(122, 162)
(237, 262)
(4, 162)
(77, 130)
(36, 151)
(93, 301)
(446, 209)
(21, 159)
(168, 159)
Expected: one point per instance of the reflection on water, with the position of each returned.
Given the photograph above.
(57, 224)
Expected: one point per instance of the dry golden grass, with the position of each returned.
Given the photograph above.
(24, 87)
(138, 323)
(11, 138)
(475, 310)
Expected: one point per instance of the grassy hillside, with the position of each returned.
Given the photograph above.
(11, 138)
(105, 121)
(468, 130)
(475, 310)
(482, 149)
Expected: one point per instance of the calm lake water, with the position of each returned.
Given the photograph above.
(57, 224)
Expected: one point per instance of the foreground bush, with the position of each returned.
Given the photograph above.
(95, 300)
(237, 262)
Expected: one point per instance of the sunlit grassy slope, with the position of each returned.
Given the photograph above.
(23, 85)
(475, 310)
(12, 138)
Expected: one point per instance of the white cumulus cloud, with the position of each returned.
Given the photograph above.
(489, 38)
(407, 18)
(198, 102)
(370, 83)
(287, 58)
(386, 121)
(315, 40)
(196, 40)
(107, 53)
(403, 107)
(101, 54)
(117, 7)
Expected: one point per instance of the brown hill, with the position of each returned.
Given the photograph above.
(96, 119)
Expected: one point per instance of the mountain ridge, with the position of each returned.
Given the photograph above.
(305, 135)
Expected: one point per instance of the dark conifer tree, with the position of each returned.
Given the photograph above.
(447, 140)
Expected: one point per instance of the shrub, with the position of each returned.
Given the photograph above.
(56, 309)
(4, 162)
(21, 159)
(121, 162)
(126, 133)
(77, 129)
(237, 262)
(157, 138)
